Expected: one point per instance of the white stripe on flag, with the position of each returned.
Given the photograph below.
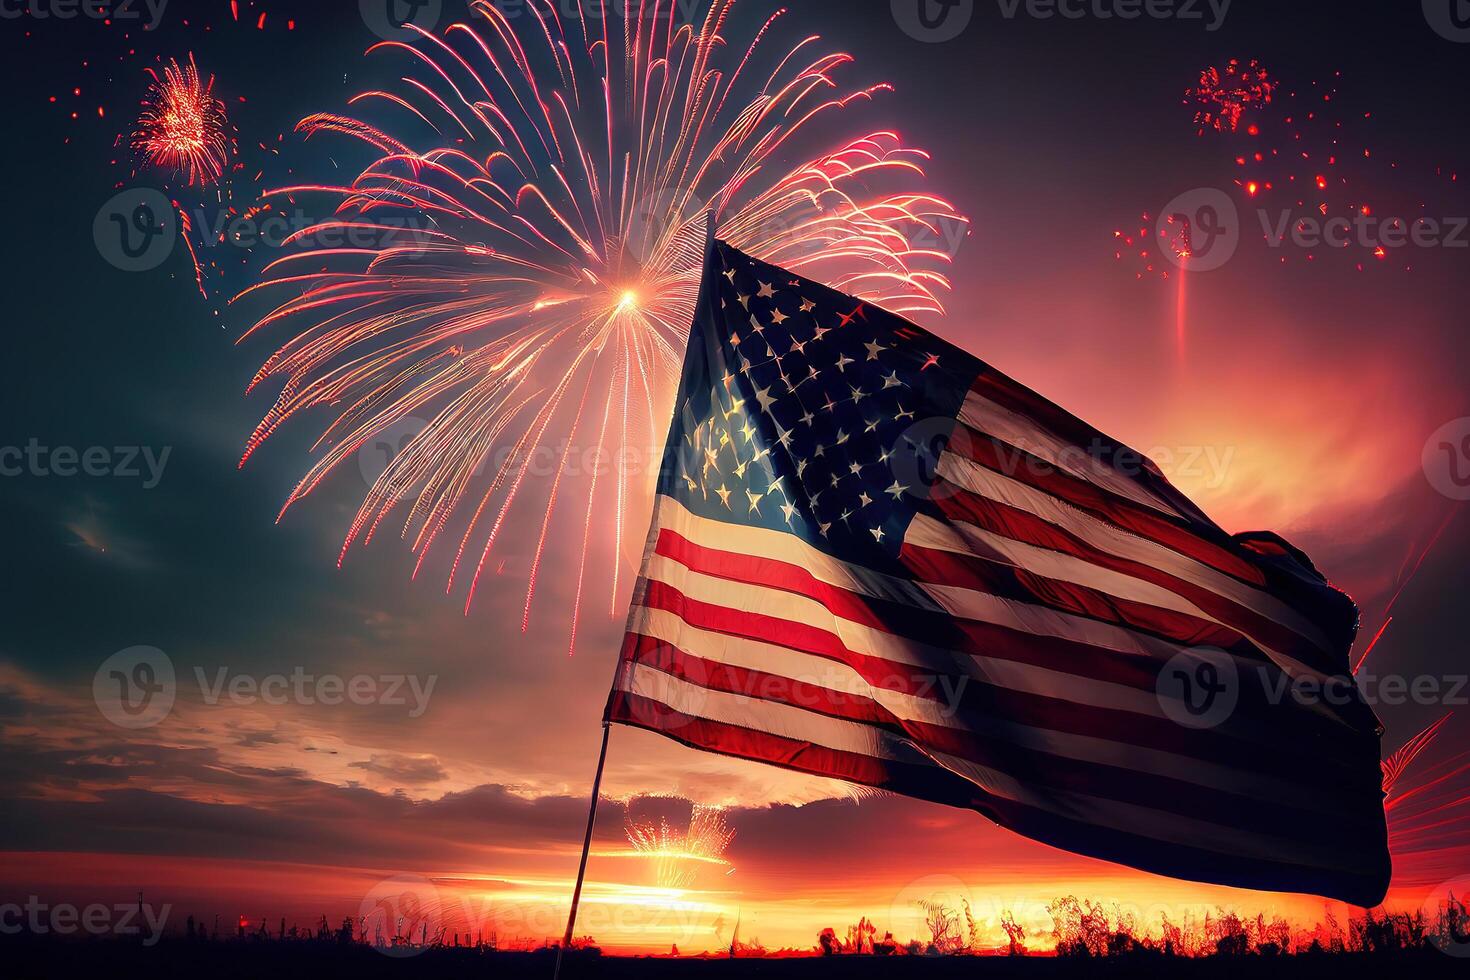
(971, 476)
(784, 662)
(988, 418)
(846, 736)
(768, 716)
(967, 539)
(803, 610)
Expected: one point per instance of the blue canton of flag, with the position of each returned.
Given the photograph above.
(812, 413)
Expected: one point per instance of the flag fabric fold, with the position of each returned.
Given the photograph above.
(875, 558)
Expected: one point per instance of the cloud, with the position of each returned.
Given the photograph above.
(412, 769)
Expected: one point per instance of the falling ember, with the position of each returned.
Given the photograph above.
(677, 855)
(182, 125)
(1222, 96)
(186, 230)
(554, 235)
(1138, 247)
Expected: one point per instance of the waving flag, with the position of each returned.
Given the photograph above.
(878, 559)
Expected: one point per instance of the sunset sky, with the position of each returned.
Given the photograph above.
(1299, 398)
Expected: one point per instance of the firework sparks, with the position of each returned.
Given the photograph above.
(677, 855)
(1223, 96)
(1430, 816)
(1154, 252)
(182, 125)
(1299, 145)
(1395, 765)
(533, 272)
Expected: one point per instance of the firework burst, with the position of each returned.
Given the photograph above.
(182, 125)
(528, 277)
(1222, 96)
(677, 855)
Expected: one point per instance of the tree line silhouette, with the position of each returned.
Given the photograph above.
(1082, 929)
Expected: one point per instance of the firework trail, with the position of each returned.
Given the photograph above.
(676, 854)
(1404, 580)
(186, 232)
(1395, 765)
(182, 125)
(1428, 818)
(532, 273)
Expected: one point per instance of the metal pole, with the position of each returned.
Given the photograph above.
(586, 847)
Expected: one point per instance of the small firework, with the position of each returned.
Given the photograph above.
(676, 854)
(1222, 96)
(182, 125)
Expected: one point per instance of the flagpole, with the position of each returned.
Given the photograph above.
(586, 848)
(566, 939)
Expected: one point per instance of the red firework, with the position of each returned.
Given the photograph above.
(531, 275)
(182, 125)
(1222, 96)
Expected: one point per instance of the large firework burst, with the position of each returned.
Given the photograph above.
(182, 125)
(527, 272)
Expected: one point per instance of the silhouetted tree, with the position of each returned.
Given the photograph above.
(1014, 932)
(944, 928)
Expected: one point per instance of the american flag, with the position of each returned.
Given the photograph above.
(876, 558)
